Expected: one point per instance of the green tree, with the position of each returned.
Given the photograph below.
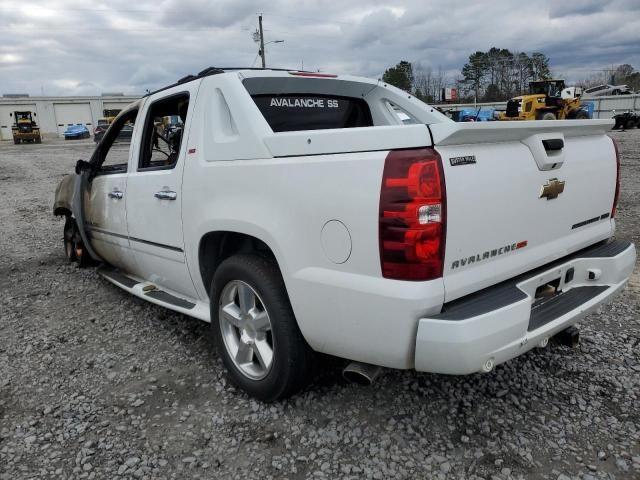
(492, 94)
(475, 71)
(499, 74)
(623, 71)
(400, 76)
(540, 66)
(625, 74)
(633, 81)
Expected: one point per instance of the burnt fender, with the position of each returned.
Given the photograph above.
(81, 179)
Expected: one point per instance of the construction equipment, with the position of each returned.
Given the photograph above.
(547, 100)
(626, 120)
(25, 128)
(110, 114)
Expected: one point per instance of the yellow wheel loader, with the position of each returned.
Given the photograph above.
(547, 100)
(110, 114)
(24, 128)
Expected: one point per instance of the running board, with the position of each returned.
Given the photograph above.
(117, 277)
(172, 299)
(150, 292)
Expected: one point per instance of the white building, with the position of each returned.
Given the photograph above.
(55, 114)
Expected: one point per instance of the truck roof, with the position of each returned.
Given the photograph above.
(257, 72)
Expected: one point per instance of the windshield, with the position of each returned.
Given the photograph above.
(551, 89)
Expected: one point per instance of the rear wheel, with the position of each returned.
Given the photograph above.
(38, 139)
(629, 125)
(546, 116)
(16, 141)
(582, 115)
(255, 330)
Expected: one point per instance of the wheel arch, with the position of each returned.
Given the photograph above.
(216, 246)
(63, 196)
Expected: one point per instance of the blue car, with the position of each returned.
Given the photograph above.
(74, 132)
(471, 115)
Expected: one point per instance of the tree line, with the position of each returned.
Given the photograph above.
(494, 75)
(624, 74)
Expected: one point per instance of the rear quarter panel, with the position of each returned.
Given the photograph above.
(344, 309)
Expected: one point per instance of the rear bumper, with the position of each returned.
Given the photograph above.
(489, 327)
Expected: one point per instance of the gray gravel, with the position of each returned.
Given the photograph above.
(95, 383)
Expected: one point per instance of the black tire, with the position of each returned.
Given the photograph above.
(629, 125)
(39, 140)
(582, 115)
(546, 116)
(16, 141)
(292, 362)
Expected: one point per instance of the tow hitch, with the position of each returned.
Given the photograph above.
(569, 337)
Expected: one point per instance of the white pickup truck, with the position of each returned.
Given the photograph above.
(305, 212)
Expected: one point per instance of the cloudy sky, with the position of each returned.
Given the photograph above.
(79, 47)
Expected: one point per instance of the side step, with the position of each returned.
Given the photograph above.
(117, 277)
(150, 292)
(172, 299)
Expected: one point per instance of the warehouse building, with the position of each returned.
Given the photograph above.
(55, 114)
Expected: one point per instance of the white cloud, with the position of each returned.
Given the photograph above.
(66, 47)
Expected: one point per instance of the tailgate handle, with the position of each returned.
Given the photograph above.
(553, 144)
(547, 149)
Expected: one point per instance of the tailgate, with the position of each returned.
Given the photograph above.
(507, 209)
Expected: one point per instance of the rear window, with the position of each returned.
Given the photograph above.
(288, 113)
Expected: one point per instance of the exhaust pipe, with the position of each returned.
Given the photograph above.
(569, 337)
(361, 373)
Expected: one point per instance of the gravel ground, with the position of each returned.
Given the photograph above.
(95, 383)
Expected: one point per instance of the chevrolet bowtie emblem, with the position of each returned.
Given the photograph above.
(552, 188)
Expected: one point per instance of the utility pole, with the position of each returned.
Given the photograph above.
(264, 63)
(475, 99)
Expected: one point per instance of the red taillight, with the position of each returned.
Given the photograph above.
(617, 194)
(412, 215)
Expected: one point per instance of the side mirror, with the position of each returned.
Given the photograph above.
(82, 165)
(34, 114)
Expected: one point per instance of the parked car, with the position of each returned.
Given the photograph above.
(75, 132)
(123, 136)
(602, 90)
(98, 132)
(472, 115)
(298, 213)
(626, 120)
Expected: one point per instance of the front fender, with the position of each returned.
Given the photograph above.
(77, 207)
(63, 196)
